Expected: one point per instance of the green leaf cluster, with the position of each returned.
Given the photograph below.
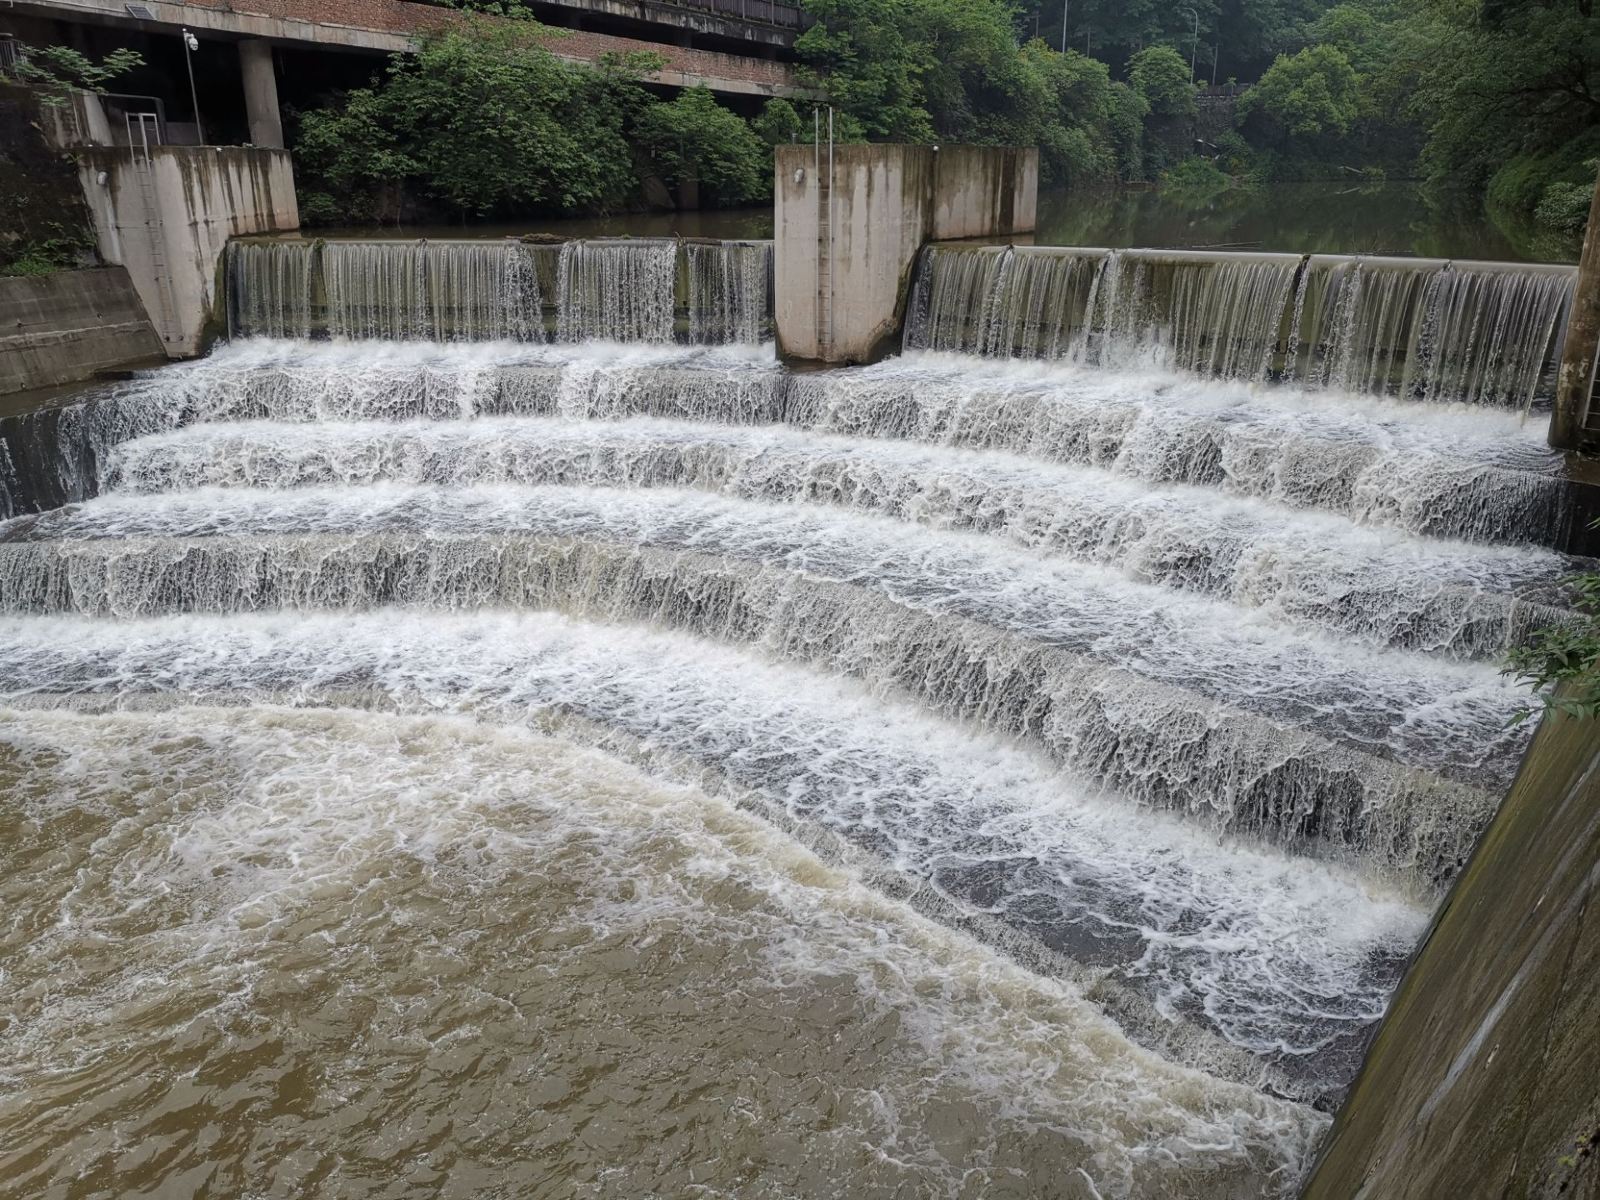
(694, 140)
(485, 120)
(951, 70)
(54, 71)
(1562, 662)
(1313, 92)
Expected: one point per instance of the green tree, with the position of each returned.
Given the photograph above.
(485, 119)
(697, 146)
(1311, 93)
(1509, 95)
(865, 53)
(778, 124)
(1161, 76)
(54, 71)
(1077, 139)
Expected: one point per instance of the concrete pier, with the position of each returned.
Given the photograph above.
(166, 216)
(851, 221)
(261, 95)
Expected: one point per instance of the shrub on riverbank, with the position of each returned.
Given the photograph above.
(485, 121)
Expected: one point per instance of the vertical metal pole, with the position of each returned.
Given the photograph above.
(1066, 9)
(194, 97)
(833, 256)
(1194, 46)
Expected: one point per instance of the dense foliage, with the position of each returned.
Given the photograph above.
(486, 121)
(695, 143)
(54, 71)
(1484, 98)
(1562, 662)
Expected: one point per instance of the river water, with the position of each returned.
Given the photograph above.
(533, 763)
(1328, 217)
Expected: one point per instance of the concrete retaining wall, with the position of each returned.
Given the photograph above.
(168, 218)
(848, 232)
(64, 327)
(1484, 1079)
(984, 191)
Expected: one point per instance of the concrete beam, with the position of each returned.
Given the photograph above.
(729, 25)
(393, 27)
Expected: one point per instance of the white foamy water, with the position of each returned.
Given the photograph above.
(1167, 909)
(1423, 711)
(493, 961)
(1433, 469)
(1032, 773)
(1383, 586)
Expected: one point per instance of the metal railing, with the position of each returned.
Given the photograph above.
(775, 13)
(761, 12)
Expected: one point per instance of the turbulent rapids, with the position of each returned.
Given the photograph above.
(489, 726)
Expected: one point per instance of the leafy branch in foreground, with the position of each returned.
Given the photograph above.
(1568, 653)
(55, 70)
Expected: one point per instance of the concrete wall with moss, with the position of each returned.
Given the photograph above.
(1484, 1079)
(44, 222)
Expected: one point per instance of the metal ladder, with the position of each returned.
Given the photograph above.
(825, 236)
(166, 319)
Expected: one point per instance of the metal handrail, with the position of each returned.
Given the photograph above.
(762, 12)
(775, 13)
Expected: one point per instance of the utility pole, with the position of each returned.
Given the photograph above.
(190, 45)
(1194, 46)
(1066, 9)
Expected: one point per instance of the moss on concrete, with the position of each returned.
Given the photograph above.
(44, 223)
(1484, 1079)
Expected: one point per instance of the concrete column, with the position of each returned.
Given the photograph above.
(261, 94)
(1576, 376)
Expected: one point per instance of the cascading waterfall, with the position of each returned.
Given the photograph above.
(1422, 329)
(639, 290)
(1482, 333)
(619, 290)
(730, 291)
(270, 288)
(1119, 712)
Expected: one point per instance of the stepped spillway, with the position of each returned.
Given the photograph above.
(1037, 753)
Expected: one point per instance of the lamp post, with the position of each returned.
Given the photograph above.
(1194, 46)
(190, 45)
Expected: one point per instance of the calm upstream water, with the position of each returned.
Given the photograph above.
(1297, 218)
(529, 744)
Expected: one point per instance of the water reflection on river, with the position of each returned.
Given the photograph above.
(1301, 218)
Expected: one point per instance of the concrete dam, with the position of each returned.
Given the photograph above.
(1043, 748)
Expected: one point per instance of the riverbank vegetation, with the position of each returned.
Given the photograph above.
(1494, 101)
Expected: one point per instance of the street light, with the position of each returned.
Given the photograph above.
(1194, 46)
(190, 45)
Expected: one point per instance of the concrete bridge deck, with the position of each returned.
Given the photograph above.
(392, 26)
